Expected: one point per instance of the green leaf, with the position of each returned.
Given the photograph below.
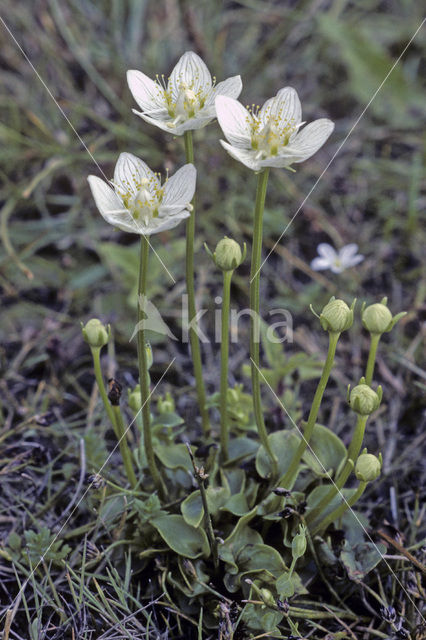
(284, 586)
(260, 557)
(254, 618)
(319, 493)
(327, 453)
(237, 504)
(168, 420)
(174, 456)
(235, 479)
(192, 509)
(216, 498)
(284, 444)
(362, 558)
(241, 448)
(181, 537)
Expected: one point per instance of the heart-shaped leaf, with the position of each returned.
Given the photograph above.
(237, 504)
(325, 451)
(174, 456)
(284, 444)
(181, 537)
(192, 509)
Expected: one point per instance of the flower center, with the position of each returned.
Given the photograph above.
(142, 199)
(188, 102)
(270, 133)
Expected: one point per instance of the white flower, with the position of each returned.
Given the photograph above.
(270, 136)
(138, 203)
(186, 100)
(337, 261)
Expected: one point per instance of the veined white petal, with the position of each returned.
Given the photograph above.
(285, 107)
(246, 156)
(129, 173)
(280, 161)
(192, 124)
(348, 251)
(180, 188)
(110, 206)
(231, 87)
(157, 225)
(310, 139)
(318, 264)
(327, 251)
(235, 121)
(190, 72)
(147, 93)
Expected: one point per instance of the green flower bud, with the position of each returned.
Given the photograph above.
(166, 404)
(134, 399)
(228, 255)
(267, 597)
(298, 544)
(363, 399)
(95, 333)
(377, 318)
(337, 316)
(368, 467)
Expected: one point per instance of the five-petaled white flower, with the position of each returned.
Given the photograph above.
(337, 261)
(186, 100)
(138, 202)
(270, 136)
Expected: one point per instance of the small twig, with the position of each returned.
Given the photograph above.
(200, 477)
(402, 550)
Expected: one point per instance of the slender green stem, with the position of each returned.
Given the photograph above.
(124, 447)
(351, 458)
(375, 339)
(256, 254)
(143, 370)
(200, 477)
(192, 312)
(340, 510)
(291, 473)
(224, 354)
(96, 354)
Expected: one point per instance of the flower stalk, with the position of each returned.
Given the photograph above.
(116, 419)
(337, 513)
(291, 472)
(375, 339)
(143, 372)
(224, 357)
(124, 447)
(193, 336)
(262, 184)
(96, 355)
(353, 452)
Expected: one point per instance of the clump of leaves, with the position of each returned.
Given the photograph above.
(37, 546)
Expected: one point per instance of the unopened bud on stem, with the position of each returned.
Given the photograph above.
(363, 399)
(228, 255)
(95, 333)
(377, 318)
(337, 316)
(368, 467)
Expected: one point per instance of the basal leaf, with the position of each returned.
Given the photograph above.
(181, 537)
(325, 451)
(284, 444)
